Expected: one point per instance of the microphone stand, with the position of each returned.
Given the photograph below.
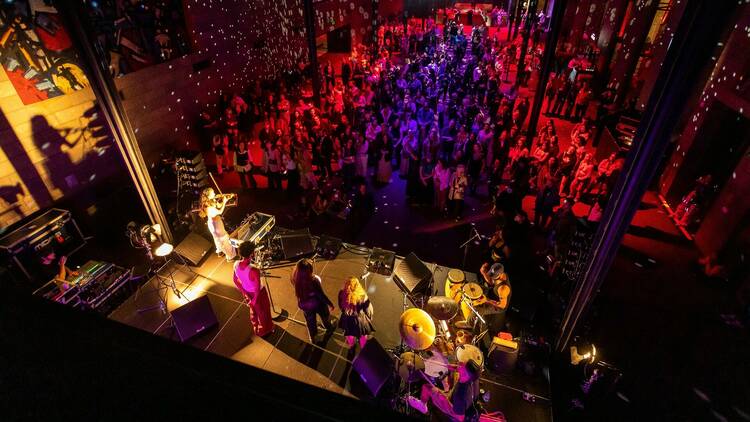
(474, 236)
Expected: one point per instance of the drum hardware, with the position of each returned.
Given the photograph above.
(468, 304)
(463, 337)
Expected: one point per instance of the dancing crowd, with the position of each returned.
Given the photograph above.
(431, 105)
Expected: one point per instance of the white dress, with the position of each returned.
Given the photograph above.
(219, 233)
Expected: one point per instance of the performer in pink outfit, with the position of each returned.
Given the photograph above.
(247, 279)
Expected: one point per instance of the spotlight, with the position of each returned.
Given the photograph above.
(585, 353)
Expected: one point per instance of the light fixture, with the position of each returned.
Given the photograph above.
(584, 353)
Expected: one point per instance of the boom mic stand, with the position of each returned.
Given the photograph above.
(474, 237)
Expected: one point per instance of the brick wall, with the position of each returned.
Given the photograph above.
(244, 40)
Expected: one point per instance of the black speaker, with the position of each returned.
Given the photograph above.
(374, 366)
(194, 248)
(412, 276)
(328, 247)
(193, 318)
(501, 359)
(340, 40)
(296, 244)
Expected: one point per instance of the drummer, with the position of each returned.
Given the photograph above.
(461, 397)
(497, 280)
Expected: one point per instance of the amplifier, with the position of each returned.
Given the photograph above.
(54, 231)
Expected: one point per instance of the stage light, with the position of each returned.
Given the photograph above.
(163, 250)
(585, 353)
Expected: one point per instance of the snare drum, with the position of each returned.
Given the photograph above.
(453, 284)
(467, 352)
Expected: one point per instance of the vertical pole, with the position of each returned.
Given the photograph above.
(110, 105)
(631, 47)
(312, 48)
(695, 41)
(550, 46)
(530, 12)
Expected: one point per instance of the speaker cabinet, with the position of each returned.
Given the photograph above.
(374, 366)
(194, 248)
(412, 276)
(296, 244)
(193, 318)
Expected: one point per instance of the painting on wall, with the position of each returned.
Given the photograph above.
(134, 34)
(36, 51)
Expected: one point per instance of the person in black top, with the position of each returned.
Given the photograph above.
(243, 165)
(311, 298)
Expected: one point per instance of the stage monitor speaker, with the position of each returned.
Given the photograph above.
(328, 247)
(374, 366)
(193, 318)
(412, 276)
(296, 244)
(194, 248)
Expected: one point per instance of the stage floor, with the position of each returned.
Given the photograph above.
(287, 351)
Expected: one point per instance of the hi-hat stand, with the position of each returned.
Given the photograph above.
(467, 302)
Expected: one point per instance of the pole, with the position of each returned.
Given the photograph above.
(550, 46)
(111, 107)
(530, 12)
(312, 48)
(694, 42)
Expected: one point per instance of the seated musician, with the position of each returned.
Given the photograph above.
(58, 273)
(498, 283)
(459, 403)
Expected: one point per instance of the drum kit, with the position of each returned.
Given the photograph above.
(436, 351)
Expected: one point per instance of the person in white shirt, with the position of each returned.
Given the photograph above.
(211, 208)
(458, 184)
(442, 177)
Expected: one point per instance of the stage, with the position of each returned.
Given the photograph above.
(287, 351)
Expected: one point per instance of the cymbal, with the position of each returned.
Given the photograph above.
(441, 307)
(409, 362)
(417, 328)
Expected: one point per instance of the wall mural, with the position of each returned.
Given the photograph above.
(133, 34)
(36, 52)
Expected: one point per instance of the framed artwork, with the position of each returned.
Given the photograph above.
(36, 51)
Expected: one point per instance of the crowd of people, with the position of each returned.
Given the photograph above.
(428, 104)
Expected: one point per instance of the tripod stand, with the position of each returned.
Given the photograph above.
(164, 283)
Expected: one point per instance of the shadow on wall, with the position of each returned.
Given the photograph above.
(73, 158)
